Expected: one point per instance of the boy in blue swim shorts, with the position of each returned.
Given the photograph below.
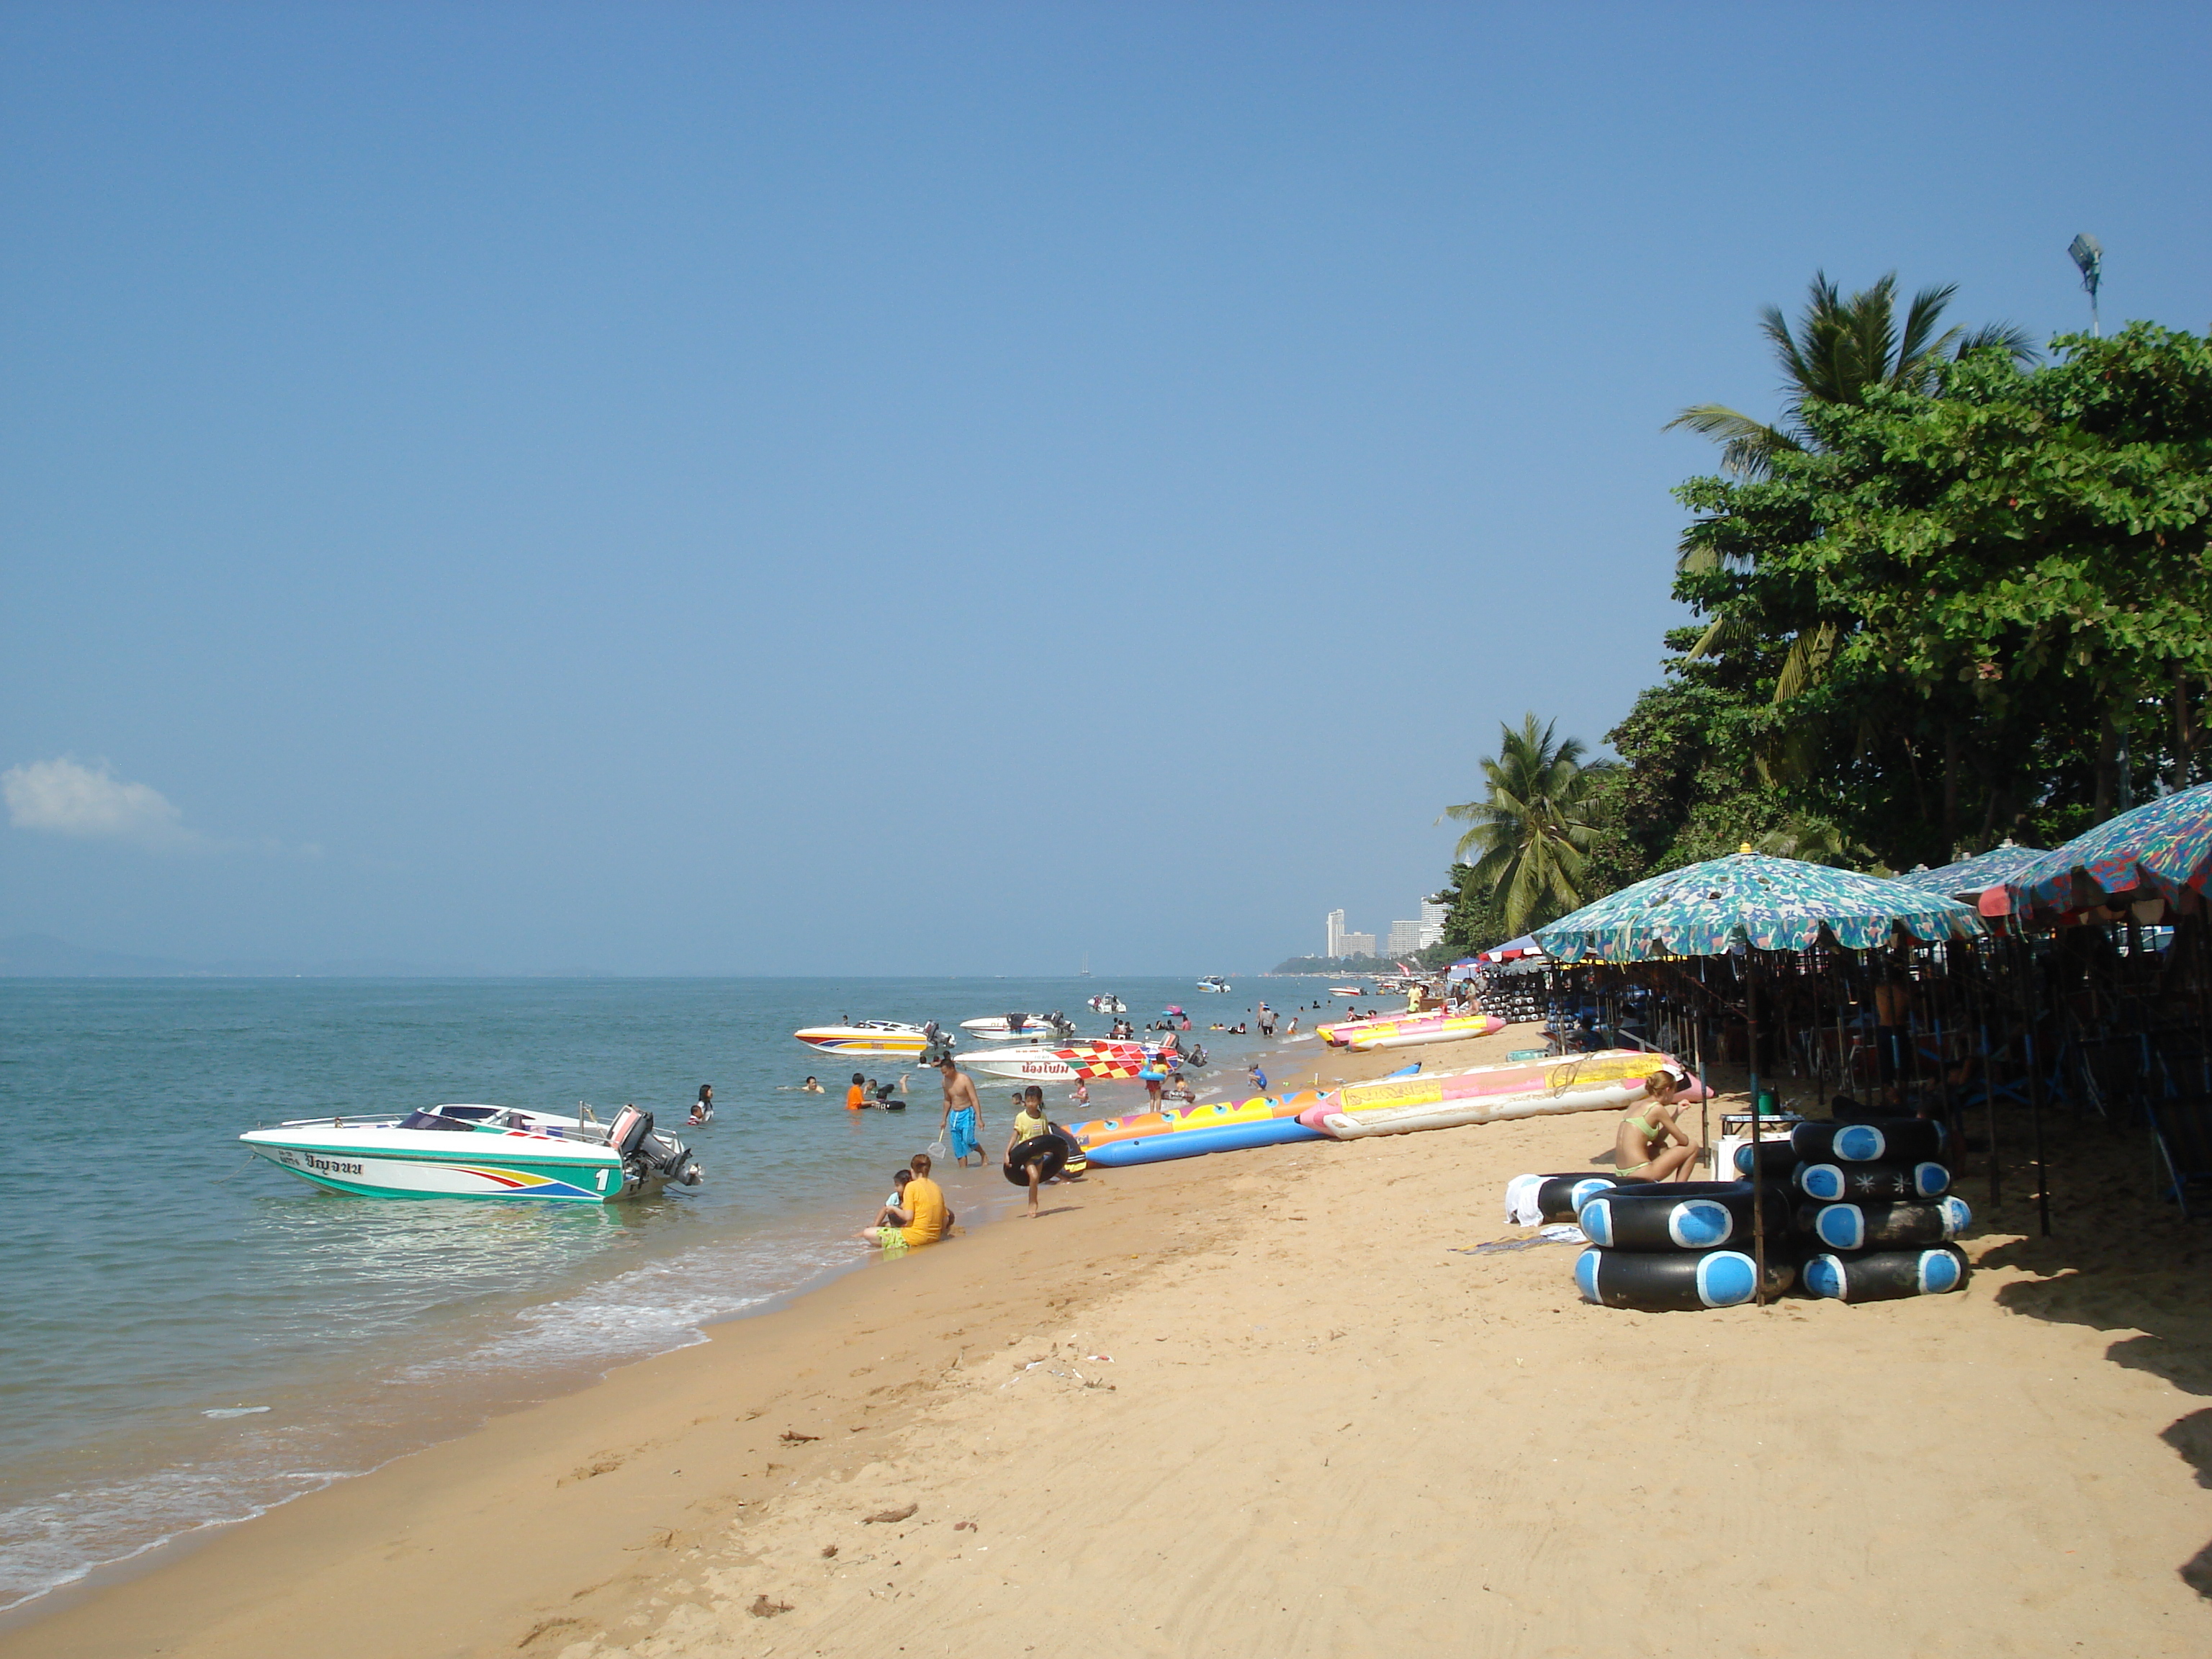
(961, 1123)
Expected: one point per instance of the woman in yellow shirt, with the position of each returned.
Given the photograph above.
(921, 1213)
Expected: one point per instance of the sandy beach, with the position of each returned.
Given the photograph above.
(1284, 1402)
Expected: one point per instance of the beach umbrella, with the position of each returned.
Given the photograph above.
(1754, 902)
(1969, 878)
(1512, 951)
(2161, 848)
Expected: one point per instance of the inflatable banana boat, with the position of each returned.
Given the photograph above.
(1609, 1080)
(1218, 1127)
(1409, 1030)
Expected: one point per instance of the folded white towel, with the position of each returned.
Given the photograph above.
(1521, 1200)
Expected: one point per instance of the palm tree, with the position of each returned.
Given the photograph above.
(1841, 349)
(1530, 834)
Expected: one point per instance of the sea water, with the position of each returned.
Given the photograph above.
(189, 1336)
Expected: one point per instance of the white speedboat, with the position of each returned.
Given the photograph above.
(867, 1037)
(999, 1028)
(480, 1152)
(1108, 1003)
(1026, 1065)
(1213, 982)
(1094, 1058)
(1345, 991)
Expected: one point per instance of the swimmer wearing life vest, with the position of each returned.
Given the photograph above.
(1651, 1146)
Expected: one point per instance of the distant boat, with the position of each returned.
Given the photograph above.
(1213, 982)
(1086, 965)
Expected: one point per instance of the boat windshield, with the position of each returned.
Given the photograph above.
(433, 1121)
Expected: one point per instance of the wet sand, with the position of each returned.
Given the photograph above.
(1270, 1403)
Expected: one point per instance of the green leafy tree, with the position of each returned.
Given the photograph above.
(1530, 834)
(2005, 573)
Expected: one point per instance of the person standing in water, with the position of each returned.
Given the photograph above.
(960, 1125)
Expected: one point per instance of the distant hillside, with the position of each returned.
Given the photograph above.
(42, 956)
(1349, 967)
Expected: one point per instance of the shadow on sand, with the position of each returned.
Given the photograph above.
(2119, 1259)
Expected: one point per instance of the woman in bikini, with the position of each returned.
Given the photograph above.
(1651, 1146)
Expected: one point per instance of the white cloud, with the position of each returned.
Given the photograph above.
(66, 799)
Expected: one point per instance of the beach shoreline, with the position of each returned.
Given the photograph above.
(1278, 1401)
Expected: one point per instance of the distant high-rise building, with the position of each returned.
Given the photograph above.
(1405, 938)
(1432, 924)
(1335, 947)
(1355, 945)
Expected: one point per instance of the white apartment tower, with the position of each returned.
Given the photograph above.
(1335, 934)
(1405, 939)
(1432, 924)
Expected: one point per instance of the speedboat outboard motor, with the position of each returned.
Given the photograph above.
(649, 1155)
(937, 1047)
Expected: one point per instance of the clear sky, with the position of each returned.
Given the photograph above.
(918, 488)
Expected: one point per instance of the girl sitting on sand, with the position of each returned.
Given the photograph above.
(1641, 1147)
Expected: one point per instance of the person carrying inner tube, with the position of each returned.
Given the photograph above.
(1029, 1123)
(1651, 1146)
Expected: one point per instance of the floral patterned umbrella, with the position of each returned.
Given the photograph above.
(1970, 878)
(2165, 846)
(1751, 899)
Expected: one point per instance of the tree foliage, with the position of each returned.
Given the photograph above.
(1963, 596)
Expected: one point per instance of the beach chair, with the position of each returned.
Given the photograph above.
(2183, 1129)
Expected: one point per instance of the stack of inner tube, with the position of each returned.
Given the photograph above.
(1678, 1246)
(1874, 1216)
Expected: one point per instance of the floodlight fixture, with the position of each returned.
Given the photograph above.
(2089, 254)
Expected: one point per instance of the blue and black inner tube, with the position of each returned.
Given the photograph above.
(1866, 1183)
(1883, 1141)
(1680, 1215)
(1562, 1197)
(1683, 1283)
(1887, 1275)
(1885, 1226)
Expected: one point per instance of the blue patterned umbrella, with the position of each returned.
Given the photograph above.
(1751, 899)
(2165, 846)
(1970, 878)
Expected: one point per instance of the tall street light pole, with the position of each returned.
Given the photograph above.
(2089, 254)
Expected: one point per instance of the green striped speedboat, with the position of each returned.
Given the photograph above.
(480, 1152)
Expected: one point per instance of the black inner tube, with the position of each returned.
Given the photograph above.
(1048, 1151)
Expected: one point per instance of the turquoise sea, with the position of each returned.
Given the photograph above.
(191, 1337)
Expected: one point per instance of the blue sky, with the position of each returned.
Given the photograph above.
(921, 488)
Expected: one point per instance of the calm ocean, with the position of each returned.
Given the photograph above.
(189, 1340)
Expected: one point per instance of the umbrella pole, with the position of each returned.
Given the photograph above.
(1758, 1163)
(1983, 962)
(2035, 1093)
(1842, 1047)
